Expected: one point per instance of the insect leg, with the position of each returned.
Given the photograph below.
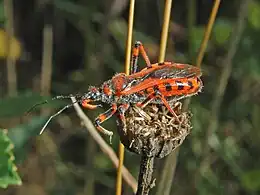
(135, 54)
(122, 109)
(102, 118)
(56, 114)
(168, 106)
(85, 103)
(154, 95)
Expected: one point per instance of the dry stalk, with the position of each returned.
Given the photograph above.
(127, 71)
(130, 180)
(10, 62)
(153, 132)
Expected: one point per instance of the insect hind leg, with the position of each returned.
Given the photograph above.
(138, 47)
(155, 95)
(102, 118)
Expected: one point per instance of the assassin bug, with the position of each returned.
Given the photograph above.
(159, 83)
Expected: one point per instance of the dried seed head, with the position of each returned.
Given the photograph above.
(154, 131)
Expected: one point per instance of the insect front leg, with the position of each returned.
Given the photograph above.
(103, 117)
(138, 47)
(85, 104)
(121, 110)
(155, 95)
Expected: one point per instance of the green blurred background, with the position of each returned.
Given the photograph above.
(87, 39)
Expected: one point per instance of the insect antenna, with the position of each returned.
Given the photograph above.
(54, 98)
(57, 113)
(36, 105)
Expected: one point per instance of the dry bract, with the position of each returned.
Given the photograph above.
(153, 130)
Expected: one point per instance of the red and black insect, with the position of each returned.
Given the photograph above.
(159, 83)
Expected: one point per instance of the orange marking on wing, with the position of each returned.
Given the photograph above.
(175, 88)
(141, 86)
(150, 90)
(148, 84)
(197, 84)
(181, 87)
(181, 70)
(163, 89)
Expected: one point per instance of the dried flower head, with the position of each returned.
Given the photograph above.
(153, 130)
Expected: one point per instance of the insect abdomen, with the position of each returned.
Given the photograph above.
(176, 87)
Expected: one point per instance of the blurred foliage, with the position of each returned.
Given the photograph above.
(15, 45)
(8, 170)
(18, 106)
(21, 135)
(254, 14)
(89, 47)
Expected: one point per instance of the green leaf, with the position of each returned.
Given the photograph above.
(214, 141)
(118, 29)
(254, 67)
(21, 134)
(2, 14)
(222, 31)
(8, 170)
(251, 180)
(19, 105)
(196, 38)
(70, 7)
(102, 162)
(254, 14)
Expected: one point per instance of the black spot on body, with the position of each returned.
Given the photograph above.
(161, 63)
(97, 122)
(180, 85)
(146, 91)
(168, 86)
(190, 84)
(155, 88)
(107, 113)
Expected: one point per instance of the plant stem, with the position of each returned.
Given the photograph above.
(129, 179)
(10, 62)
(165, 29)
(145, 181)
(223, 81)
(168, 173)
(127, 70)
(207, 34)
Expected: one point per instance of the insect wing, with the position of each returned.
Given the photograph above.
(175, 71)
(159, 74)
(141, 85)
